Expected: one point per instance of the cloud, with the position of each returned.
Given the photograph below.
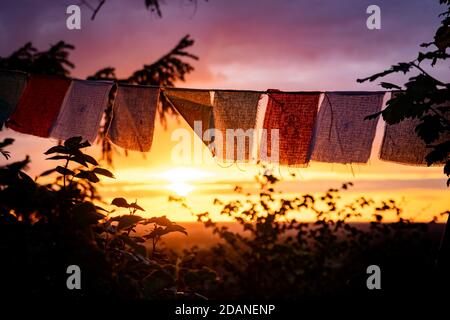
(295, 41)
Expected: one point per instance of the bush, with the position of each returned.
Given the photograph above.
(44, 228)
(275, 255)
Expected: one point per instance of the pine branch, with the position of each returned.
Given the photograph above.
(164, 72)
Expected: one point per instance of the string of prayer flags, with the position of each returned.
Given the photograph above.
(294, 116)
(341, 134)
(237, 112)
(82, 110)
(133, 120)
(195, 107)
(39, 105)
(401, 143)
(293, 131)
(12, 84)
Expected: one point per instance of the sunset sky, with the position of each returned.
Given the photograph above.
(288, 45)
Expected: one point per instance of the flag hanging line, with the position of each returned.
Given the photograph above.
(118, 82)
(337, 135)
(251, 90)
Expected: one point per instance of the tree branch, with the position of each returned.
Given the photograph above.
(97, 9)
(94, 10)
(413, 63)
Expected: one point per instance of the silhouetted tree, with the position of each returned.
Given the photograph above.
(426, 98)
(423, 96)
(271, 252)
(54, 61)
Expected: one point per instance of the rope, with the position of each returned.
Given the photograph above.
(228, 90)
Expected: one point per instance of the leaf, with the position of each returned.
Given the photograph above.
(426, 44)
(160, 231)
(104, 172)
(84, 144)
(134, 205)
(6, 142)
(400, 67)
(59, 158)
(388, 85)
(373, 116)
(64, 171)
(90, 159)
(176, 228)
(93, 177)
(442, 37)
(162, 221)
(79, 159)
(100, 208)
(155, 233)
(447, 168)
(400, 107)
(19, 165)
(127, 220)
(421, 85)
(73, 143)
(439, 153)
(57, 149)
(83, 174)
(47, 172)
(429, 129)
(120, 202)
(88, 175)
(6, 154)
(86, 214)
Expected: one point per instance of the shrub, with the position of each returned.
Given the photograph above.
(44, 228)
(276, 255)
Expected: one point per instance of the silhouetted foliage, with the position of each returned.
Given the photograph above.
(276, 254)
(44, 228)
(163, 72)
(54, 61)
(6, 142)
(424, 97)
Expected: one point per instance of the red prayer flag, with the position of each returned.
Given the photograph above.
(293, 114)
(39, 105)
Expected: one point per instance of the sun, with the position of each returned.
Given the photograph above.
(181, 179)
(181, 188)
